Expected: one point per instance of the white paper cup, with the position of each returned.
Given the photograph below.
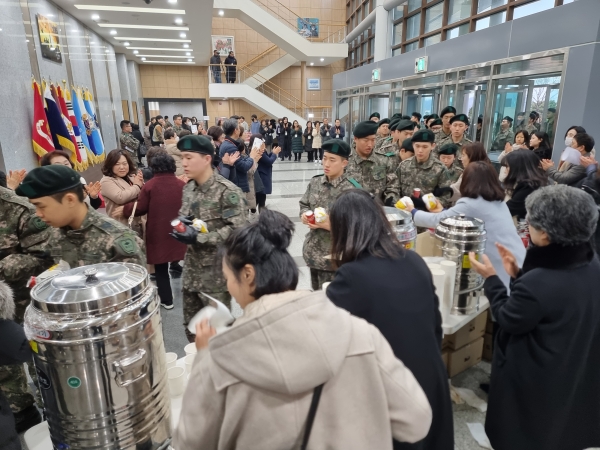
(189, 361)
(190, 349)
(171, 359)
(176, 378)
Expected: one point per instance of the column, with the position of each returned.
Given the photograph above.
(303, 83)
(381, 32)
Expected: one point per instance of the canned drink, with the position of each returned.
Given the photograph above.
(178, 225)
(416, 192)
(310, 216)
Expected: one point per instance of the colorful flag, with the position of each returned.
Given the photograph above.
(41, 138)
(88, 101)
(60, 133)
(82, 118)
(76, 157)
(62, 107)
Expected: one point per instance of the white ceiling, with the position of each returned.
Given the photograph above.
(195, 15)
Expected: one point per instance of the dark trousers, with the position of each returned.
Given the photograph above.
(163, 283)
(297, 156)
(286, 150)
(311, 155)
(320, 153)
(261, 200)
(318, 277)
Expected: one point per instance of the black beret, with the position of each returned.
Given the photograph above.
(405, 117)
(460, 118)
(433, 116)
(437, 121)
(197, 144)
(364, 129)
(448, 149)
(393, 124)
(508, 118)
(48, 180)
(337, 147)
(405, 125)
(407, 145)
(447, 110)
(375, 114)
(382, 122)
(396, 116)
(423, 136)
(534, 115)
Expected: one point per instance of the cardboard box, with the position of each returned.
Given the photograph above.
(445, 355)
(471, 331)
(428, 245)
(445, 344)
(488, 342)
(465, 357)
(489, 327)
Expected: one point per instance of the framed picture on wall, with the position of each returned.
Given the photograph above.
(223, 44)
(308, 28)
(49, 40)
(313, 84)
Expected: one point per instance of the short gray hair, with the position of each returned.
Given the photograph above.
(229, 126)
(569, 216)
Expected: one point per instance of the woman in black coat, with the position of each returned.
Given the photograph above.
(545, 388)
(524, 177)
(406, 312)
(267, 133)
(308, 141)
(284, 139)
(231, 67)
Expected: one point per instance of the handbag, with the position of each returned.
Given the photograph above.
(312, 412)
(138, 228)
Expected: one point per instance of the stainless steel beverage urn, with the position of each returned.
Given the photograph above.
(460, 235)
(97, 339)
(403, 226)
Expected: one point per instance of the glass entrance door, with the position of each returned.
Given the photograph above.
(424, 101)
(471, 101)
(354, 116)
(379, 103)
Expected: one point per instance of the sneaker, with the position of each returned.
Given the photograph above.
(27, 418)
(169, 307)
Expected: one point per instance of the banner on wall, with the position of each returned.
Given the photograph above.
(41, 139)
(98, 144)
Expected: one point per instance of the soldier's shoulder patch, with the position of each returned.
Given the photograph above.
(35, 223)
(390, 154)
(232, 198)
(126, 245)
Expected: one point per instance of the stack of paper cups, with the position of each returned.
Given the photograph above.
(433, 266)
(439, 281)
(449, 267)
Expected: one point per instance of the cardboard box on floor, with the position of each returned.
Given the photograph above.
(465, 357)
(428, 245)
(488, 342)
(471, 331)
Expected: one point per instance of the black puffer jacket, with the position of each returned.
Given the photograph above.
(591, 185)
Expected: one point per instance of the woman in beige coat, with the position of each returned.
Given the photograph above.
(316, 142)
(121, 184)
(171, 140)
(252, 385)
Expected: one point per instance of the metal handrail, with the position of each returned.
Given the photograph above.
(257, 57)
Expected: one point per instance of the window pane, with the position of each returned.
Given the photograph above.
(397, 34)
(532, 8)
(398, 12)
(411, 47)
(459, 9)
(458, 31)
(364, 51)
(433, 17)
(432, 40)
(397, 51)
(371, 47)
(486, 5)
(413, 25)
(490, 21)
(413, 4)
(366, 9)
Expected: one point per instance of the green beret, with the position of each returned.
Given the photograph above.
(448, 110)
(396, 116)
(460, 118)
(197, 144)
(508, 119)
(405, 125)
(382, 122)
(433, 116)
(364, 129)
(407, 145)
(393, 124)
(436, 122)
(375, 114)
(337, 147)
(448, 149)
(424, 135)
(48, 180)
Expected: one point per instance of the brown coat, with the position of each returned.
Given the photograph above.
(117, 192)
(176, 154)
(252, 387)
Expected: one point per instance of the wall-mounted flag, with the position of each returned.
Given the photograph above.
(88, 101)
(41, 138)
(60, 133)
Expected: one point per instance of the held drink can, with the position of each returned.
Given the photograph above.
(310, 216)
(416, 192)
(178, 225)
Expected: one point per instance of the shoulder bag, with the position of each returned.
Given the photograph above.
(312, 412)
(137, 228)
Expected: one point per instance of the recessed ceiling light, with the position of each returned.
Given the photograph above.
(312, 64)
(186, 46)
(179, 21)
(173, 1)
(187, 54)
(145, 27)
(221, 12)
(168, 56)
(169, 62)
(151, 39)
(157, 48)
(113, 32)
(125, 44)
(106, 51)
(26, 40)
(190, 60)
(182, 35)
(135, 52)
(131, 9)
(143, 59)
(1, 30)
(50, 15)
(52, 48)
(95, 17)
(322, 59)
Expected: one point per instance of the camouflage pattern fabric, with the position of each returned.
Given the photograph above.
(13, 385)
(375, 174)
(454, 171)
(222, 205)
(100, 239)
(502, 138)
(318, 277)
(425, 176)
(194, 302)
(440, 136)
(177, 129)
(448, 140)
(129, 142)
(390, 149)
(380, 141)
(321, 193)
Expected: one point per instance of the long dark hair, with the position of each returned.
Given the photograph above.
(525, 134)
(113, 158)
(577, 129)
(360, 228)
(524, 168)
(480, 179)
(543, 136)
(263, 245)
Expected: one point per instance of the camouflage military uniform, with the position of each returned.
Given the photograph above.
(100, 239)
(222, 205)
(177, 129)
(129, 142)
(375, 174)
(425, 176)
(380, 141)
(455, 171)
(168, 124)
(531, 128)
(449, 140)
(321, 193)
(390, 149)
(502, 138)
(440, 136)
(24, 253)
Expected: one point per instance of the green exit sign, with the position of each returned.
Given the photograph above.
(421, 64)
(376, 75)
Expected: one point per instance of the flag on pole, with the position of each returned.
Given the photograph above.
(62, 107)
(41, 138)
(67, 110)
(88, 101)
(60, 133)
(82, 118)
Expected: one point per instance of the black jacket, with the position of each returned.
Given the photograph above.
(230, 65)
(543, 153)
(591, 185)
(267, 133)
(409, 318)
(544, 391)
(516, 205)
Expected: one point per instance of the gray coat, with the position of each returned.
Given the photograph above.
(568, 173)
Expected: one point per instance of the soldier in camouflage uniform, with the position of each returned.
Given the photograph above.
(222, 205)
(127, 140)
(374, 172)
(504, 136)
(447, 113)
(458, 125)
(177, 122)
(447, 155)
(80, 236)
(423, 171)
(24, 253)
(401, 130)
(383, 134)
(375, 117)
(321, 192)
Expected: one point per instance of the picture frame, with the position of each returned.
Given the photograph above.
(223, 44)
(313, 84)
(48, 33)
(308, 27)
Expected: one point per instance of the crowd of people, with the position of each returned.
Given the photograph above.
(335, 367)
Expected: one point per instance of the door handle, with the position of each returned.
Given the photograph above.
(131, 369)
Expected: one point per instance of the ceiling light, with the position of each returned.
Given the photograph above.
(143, 59)
(173, 1)
(312, 64)
(106, 51)
(179, 21)
(221, 12)
(187, 54)
(151, 39)
(113, 32)
(170, 62)
(322, 59)
(168, 56)
(52, 48)
(95, 17)
(131, 9)
(157, 48)
(186, 46)
(182, 35)
(125, 44)
(145, 27)
(190, 59)
(135, 52)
